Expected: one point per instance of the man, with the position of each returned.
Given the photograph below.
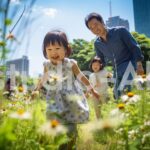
(118, 46)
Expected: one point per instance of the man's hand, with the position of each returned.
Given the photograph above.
(140, 70)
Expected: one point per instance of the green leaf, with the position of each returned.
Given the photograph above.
(8, 22)
(61, 139)
(2, 43)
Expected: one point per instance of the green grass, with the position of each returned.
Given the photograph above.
(131, 134)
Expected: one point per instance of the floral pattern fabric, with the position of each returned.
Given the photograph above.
(65, 98)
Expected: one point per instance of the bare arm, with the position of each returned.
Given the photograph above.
(77, 72)
(42, 80)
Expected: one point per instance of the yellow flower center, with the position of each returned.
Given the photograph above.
(14, 102)
(143, 76)
(107, 126)
(54, 123)
(4, 109)
(130, 94)
(121, 106)
(20, 89)
(55, 78)
(20, 111)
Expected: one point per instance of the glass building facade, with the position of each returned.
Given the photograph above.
(141, 10)
(117, 21)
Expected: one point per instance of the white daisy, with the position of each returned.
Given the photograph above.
(52, 128)
(21, 114)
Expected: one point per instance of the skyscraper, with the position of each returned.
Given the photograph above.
(117, 21)
(141, 10)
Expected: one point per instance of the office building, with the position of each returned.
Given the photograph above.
(19, 66)
(117, 21)
(141, 9)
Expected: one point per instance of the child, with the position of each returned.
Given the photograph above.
(65, 101)
(99, 81)
(7, 88)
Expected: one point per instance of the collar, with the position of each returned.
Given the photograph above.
(108, 35)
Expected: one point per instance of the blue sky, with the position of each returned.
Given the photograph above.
(67, 15)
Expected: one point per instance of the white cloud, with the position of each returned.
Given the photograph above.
(15, 2)
(50, 12)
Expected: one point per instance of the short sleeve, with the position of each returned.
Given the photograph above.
(92, 79)
(71, 62)
(45, 65)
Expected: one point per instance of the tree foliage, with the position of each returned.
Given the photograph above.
(144, 43)
(82, 52)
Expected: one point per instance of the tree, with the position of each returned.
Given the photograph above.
(82, 52)
(144, 43)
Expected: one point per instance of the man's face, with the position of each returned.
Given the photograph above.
(96, 27)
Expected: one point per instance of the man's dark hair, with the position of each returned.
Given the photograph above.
(91, 16)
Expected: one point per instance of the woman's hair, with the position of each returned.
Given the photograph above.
(56, 36)
(91, 16)
(96, 59)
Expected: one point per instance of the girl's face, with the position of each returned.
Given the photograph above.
(96, 66)
(55, 53)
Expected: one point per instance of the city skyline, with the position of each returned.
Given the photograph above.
(68, 16)
(117, 21)
(18, 66)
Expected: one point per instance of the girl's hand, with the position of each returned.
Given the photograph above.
(87, 94)
(95, 94)
(34, 94)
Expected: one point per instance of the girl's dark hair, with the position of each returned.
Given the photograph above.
(56, 36)
(96, 59)
(91, 16)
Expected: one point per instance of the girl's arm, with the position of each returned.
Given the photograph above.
(82, 78)
(40, 83)
(43, 79)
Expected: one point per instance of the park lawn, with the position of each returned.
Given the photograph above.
(123, 126)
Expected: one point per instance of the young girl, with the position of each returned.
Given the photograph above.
(65, 100)
(99, 81)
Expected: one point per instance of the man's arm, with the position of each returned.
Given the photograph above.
(133, 46)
